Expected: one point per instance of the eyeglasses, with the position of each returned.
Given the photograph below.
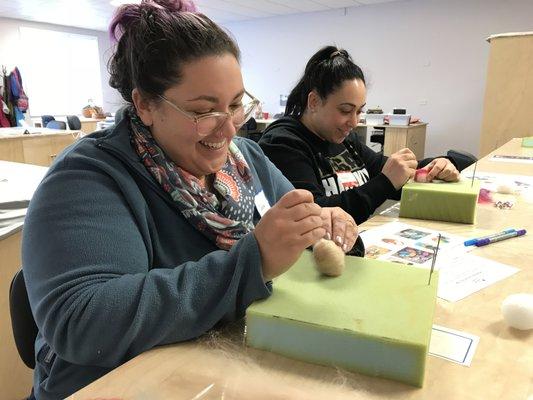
(211, 122)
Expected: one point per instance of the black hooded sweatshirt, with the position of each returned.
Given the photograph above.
(346, 175)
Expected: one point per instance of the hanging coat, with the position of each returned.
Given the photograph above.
(4, 121)
(20, 100)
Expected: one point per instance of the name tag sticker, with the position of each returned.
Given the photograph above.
(261, 203)
(347, 179)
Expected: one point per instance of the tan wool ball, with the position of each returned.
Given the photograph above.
(329, 258)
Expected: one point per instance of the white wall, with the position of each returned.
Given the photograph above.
(11, 54)
(416, 51)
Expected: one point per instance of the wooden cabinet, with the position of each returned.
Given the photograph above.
(88, 125)
(11, 150)
(399, 137)
(509, 90)
(37, 149)
(59, 143)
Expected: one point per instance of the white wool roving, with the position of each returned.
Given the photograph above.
(329, 258)
(517, 310)
(506, 187)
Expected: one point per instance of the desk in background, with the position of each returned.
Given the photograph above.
(396, 137)
(263, 123)
(39, 147)
(255, 134)
(89, 125)
(501, 369)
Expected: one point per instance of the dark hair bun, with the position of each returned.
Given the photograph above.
(325, 72)
(131, 14)
(175, 5)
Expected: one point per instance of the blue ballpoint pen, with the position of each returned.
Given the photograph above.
(472, 242)
(509, 235)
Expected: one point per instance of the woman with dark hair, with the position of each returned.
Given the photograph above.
(165, 225)
(312, 147)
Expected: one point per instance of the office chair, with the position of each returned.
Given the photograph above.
(45, 119)
(74, 123)
(22, 322)
(250, 130)
(56, 125)
(461, 159)
(378, 137)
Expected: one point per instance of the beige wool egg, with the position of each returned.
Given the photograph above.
(329, 258)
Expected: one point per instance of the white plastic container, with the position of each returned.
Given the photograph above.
(399, 119)
(374, 119)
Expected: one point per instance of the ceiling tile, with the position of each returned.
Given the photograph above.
(234, 8)
(338, 3)
(264, 6)
(96, 14)
(368, 2)
(222, 16)
(301, 5)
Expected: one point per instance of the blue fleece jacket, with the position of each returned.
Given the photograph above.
(113, 268)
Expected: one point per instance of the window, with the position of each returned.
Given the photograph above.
(60, 71)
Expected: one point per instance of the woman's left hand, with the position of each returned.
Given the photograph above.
(340, 227)
(442, 168)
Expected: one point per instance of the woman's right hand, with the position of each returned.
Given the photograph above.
(286, 230)
(399, 167)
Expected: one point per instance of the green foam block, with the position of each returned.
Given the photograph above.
(527, 141)
(376, 318)
(440, 201)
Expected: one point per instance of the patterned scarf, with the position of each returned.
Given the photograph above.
(224, 222)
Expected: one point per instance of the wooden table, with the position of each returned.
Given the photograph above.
(39, 147)
(17, 184)
(215, 367)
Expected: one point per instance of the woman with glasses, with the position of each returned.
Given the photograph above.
(312, 146)
(160, 228)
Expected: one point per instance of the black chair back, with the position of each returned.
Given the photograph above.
(73, 122)
(462, 159)
(24, 327)
(56, 125)
(46, 119)
(250, 130)
(250, 125)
